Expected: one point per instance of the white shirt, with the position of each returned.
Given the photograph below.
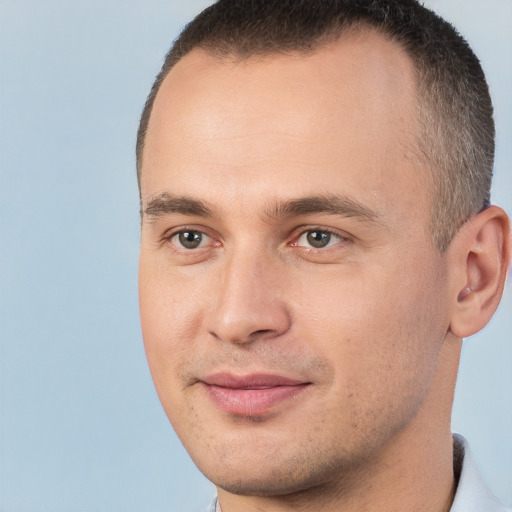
(472, 494)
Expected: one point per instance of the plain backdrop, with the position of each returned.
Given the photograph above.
(81, 428)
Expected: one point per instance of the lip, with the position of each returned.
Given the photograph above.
(251, 395)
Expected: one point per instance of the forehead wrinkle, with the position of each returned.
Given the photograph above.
(166, 204)
(336, 204)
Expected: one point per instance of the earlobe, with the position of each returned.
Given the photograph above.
(480, 258)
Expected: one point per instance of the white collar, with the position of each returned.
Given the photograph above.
(472, 494)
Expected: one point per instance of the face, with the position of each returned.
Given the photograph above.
(292, 301)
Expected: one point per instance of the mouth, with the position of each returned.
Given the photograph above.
(251, 395)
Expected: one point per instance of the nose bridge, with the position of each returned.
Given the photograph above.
(248, 304)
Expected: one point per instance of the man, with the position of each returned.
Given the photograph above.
(317, 239)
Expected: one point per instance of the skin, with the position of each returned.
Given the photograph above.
(371, 322)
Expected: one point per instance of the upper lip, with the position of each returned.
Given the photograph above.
(250, 381)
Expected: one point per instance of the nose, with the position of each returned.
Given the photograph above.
(249, 304)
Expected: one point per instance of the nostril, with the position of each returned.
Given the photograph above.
(261, 333)
(236, 322)
(239, 338)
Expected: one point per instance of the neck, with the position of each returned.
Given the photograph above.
(414, 471)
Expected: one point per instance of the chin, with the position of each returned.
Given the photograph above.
(273, 478)
(267, 486)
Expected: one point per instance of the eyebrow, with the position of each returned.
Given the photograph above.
(341, 205)
(166, 204)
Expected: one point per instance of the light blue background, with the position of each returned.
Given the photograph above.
(81, 428)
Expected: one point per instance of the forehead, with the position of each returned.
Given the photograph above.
(348, 110)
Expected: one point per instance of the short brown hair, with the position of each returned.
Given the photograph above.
(455, 108)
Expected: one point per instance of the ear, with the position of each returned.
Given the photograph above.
(479, 259)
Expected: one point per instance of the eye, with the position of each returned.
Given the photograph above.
(189, 239)
(317, 239)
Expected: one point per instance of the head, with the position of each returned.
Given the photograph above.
(303, 290)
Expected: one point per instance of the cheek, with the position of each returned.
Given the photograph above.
(379, 327)
(170, 321)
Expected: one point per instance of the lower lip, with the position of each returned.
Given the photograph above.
(252, 402)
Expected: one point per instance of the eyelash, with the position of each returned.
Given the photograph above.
(169, 236)
(331, 233)
(302, 231)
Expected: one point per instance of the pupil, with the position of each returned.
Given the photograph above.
(318, 239)
(190, 239)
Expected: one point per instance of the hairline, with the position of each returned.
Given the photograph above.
(330, 36)
(423, 147)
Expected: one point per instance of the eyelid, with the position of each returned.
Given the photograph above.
(169, 234)
(302, 230)
(215, 240)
